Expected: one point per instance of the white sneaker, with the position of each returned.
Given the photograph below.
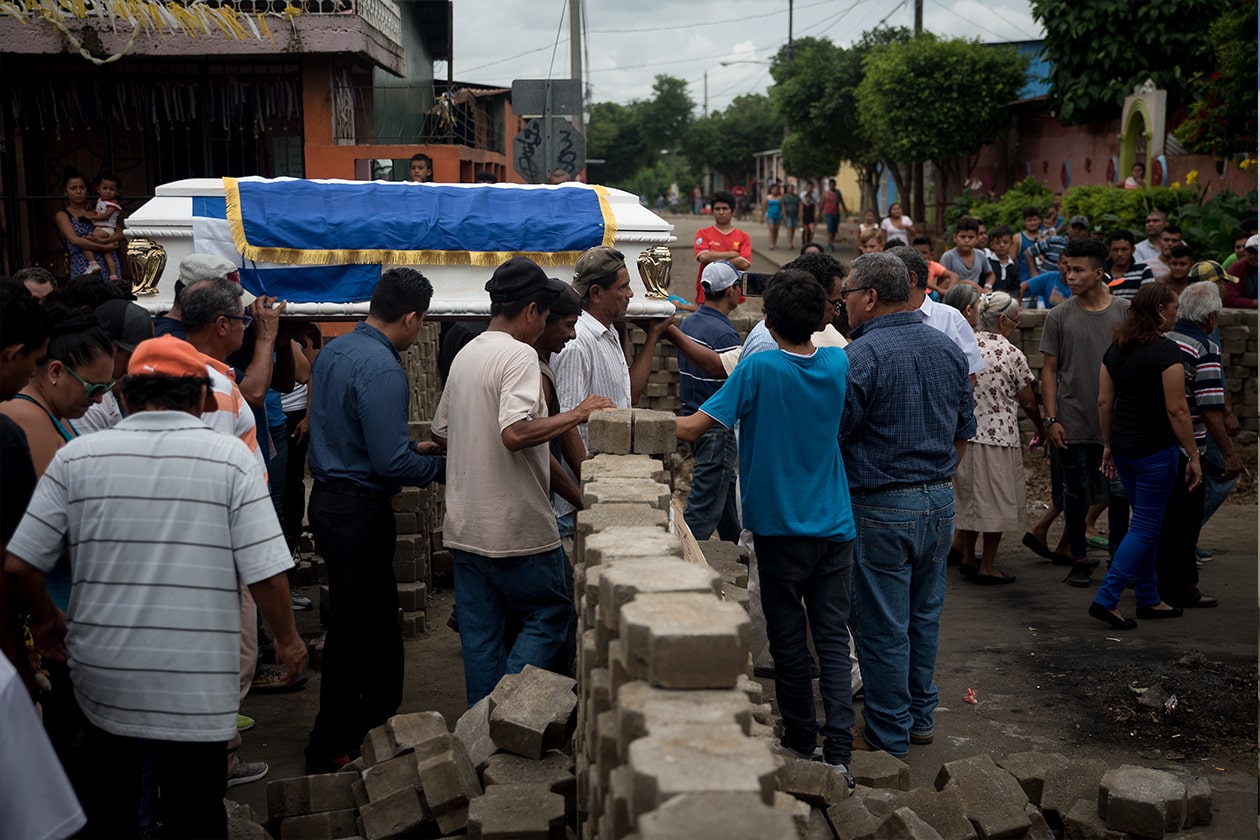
(300, 601)
(247, 771)
(843, 770)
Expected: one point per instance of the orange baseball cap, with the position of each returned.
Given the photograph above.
(166, 356)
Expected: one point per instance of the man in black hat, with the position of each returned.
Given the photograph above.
(499, 526)
(128, 323)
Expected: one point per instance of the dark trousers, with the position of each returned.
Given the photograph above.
(189, 775)
(1176, 561)
(294, 482)
(1084, 485)
(362, 677)
(806, 579)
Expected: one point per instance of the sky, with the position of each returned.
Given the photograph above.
(630, 43)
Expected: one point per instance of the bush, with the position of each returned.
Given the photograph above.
(1009, 209)
(1211, 226)
(1116, 208)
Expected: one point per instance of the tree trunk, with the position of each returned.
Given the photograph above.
(920, 206)
(899, 178)
(868, 186)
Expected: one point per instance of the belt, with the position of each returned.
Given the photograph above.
(345, 487)
(893, 488)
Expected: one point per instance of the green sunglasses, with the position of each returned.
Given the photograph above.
(92, 389)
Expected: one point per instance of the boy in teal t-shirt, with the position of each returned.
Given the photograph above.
(788, 404)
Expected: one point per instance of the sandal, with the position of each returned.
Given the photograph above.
(992, 580)
(1099, 541)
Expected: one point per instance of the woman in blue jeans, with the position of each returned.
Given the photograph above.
(1144, 416)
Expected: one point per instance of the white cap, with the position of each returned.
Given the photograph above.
(719, 276)
(1253, 242)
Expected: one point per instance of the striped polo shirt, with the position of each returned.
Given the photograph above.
(1205, 386)
(592, 363)
(163, 518)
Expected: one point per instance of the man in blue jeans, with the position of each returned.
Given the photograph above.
(907, 419)
(789, 403)
(711, 502)
(499, 523)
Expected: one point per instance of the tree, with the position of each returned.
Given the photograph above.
(666, 116)
(614, 137)
(816, 96)
(631, 138)
(938, 100)
(726, 141)
(1100, 50)
(1223, 119)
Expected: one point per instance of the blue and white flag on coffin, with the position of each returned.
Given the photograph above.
(294, 283)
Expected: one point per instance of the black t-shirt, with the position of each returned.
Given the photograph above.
(17, 476)
(1139, 424)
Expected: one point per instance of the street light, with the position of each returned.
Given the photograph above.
(745, 61)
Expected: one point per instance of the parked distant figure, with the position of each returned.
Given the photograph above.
(558, 176)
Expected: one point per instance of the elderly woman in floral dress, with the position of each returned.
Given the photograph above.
(989, 485)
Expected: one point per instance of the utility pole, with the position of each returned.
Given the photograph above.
(575, 56)
(789, 50)
(919, 210)
(706, 93)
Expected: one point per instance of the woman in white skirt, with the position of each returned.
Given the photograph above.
(989, 486)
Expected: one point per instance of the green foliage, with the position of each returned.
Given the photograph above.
(1009, 209)
(1100, 50)
(1114, 208)
(654, 180)
(1212, 226)
(932, 99)
(666, 116)
(631, 138)
(815, 95)
(1223, 119)
(726, 140)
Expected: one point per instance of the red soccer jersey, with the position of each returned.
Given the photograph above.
(712, 239)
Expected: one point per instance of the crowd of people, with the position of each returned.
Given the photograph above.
(154, 497)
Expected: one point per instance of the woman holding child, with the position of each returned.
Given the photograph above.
(74, 223)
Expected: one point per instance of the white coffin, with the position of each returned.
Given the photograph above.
(460, 290)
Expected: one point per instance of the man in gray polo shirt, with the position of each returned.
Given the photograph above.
(162, 517)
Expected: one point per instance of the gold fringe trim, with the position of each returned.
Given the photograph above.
(480, 259)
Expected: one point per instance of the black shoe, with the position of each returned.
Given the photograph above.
(954, 557)
(1153, 613)
(969, 570)
(765, 670)
(1103, 614)
(1079, 576)
(452, 621)
(1199, 601)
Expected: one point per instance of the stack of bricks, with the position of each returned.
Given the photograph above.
(661, 391)
(667, 717)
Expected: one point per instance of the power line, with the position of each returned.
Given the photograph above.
(891, 12)
(1017, 26)
(970, 22)
(699, 24)
(509, 58)
(564, 5)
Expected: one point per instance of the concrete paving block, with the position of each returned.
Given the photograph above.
(685, 640)
(852, 820)
(327, 825)
(599, 517)
(904, 824)
(812, 782)
(610, 432)
(594, 656)
(643, 710)
(1198, 801)
(401, 814)
(619, 491)
(599, 698)
(473, 731)
(1030, 768)
(730, 816)
(1040, 828)
(412, 596)
(536, 716)
(243, 822)
(990, 796)
(554, 771)
(1079, 779)
(797, 809)
(622, 581)
(403, 734)
(406, 571)
(359, 789)
(607, 758)
(303, 795)
(1142, 801)
(655, 432)
(752, 689)
(818, 827)
(628, 542)
(448, 781)
(735, 594)
(624, 466)
(700, 759)
(618, 802)
(1083, 823)
(879, 801)
(516, 812)
(380, 780)
(942, 810)
(405, 523)
(880, 770)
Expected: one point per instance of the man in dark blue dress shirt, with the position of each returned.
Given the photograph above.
(907, 419)
(361, 455)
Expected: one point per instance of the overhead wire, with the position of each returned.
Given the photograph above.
(564, 6)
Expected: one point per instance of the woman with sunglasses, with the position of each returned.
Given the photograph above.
(76, 373)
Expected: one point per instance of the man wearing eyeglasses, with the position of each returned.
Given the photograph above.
(908, 414)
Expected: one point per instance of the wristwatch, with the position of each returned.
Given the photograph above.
(1050, 421)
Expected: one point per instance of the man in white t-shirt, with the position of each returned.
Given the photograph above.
(499, 525)
(162, 517)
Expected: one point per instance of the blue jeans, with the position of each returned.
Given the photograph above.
(711, 501)
(535, 588)
(278, 467)
(898, 592)
(1216, 489)
(1148, 482)
(804, 578)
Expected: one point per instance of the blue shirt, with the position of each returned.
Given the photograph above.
(359, 416)
(1024, 244)
(1051, 288)
(711, 328)
(908, 400)
(758, 341)
(791, 475)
